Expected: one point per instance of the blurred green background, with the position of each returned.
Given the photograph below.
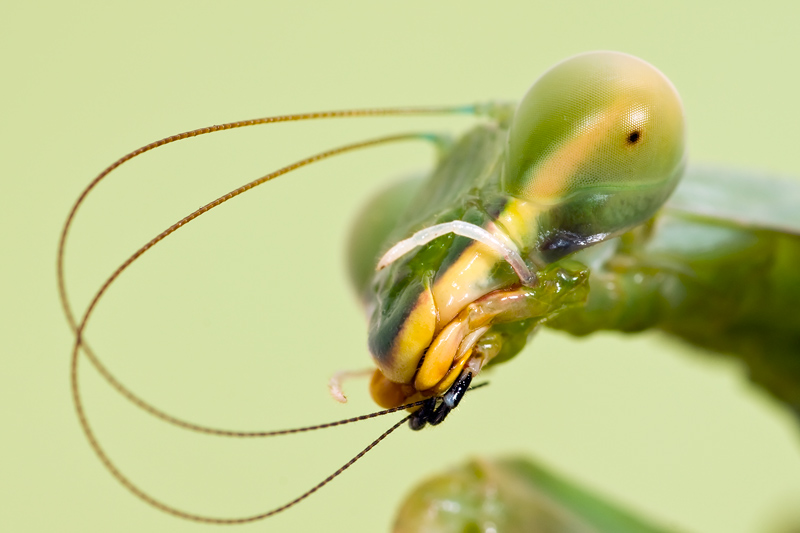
(239, 319)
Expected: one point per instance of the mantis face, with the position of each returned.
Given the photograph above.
(594, 149)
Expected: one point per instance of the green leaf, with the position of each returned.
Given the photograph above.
(509, 496)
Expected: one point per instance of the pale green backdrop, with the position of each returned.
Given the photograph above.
(239, 320)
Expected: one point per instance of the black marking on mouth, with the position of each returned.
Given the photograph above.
(436, 409)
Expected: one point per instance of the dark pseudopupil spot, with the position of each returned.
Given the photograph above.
(634, 137)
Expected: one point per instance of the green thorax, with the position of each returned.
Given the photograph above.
(718, 269)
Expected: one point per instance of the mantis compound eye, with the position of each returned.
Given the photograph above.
(598, 142)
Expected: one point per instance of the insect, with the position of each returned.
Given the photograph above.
(550, 213)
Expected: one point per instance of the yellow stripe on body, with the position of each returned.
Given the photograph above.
(469, 277)
(464, 281)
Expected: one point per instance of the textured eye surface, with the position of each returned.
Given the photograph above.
(597, 122)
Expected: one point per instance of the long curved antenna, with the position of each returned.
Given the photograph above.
(79, 327)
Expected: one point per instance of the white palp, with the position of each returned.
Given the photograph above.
(501, 244)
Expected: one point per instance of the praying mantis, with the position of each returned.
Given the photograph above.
(574, 210)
